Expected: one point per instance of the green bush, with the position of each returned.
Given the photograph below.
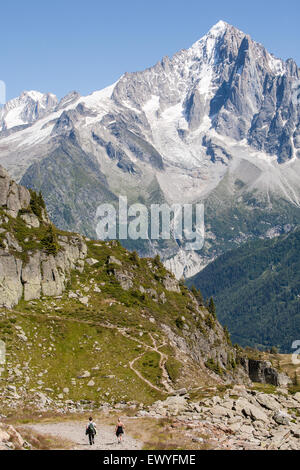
(134, 257)
(179, 323)
(210, 321)
(211, 307)
(37, 203)
(198, 295)
(50, 242)
(214, 366)
(173, 368)
(227, 336)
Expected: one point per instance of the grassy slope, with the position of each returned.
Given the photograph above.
(66, 338)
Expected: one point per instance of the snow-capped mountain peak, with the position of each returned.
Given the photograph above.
(219, 28)
(26, 109)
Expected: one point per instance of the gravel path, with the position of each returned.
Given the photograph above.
(75, 431)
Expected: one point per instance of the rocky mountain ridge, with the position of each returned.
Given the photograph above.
(26, 109)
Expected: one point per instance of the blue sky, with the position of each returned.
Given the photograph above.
(85, 45)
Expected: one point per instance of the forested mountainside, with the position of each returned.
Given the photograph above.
(257, 291)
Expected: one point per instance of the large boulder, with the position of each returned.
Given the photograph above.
(171, 284)
(281, 418)
(268, 402)
(244, 407)
(10, 438)
(124, 278)
(172, 406)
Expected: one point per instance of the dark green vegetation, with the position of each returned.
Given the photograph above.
(256, 289)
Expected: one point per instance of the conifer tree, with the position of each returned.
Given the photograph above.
(50, 242)
(212, 307)
(198, 295)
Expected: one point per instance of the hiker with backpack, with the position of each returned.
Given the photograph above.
(91, 431)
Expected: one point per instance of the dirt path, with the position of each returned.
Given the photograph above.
(131, 365)
(165, 381)
(74, 431)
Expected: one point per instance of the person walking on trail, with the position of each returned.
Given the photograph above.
(120, 430)
(91, 431)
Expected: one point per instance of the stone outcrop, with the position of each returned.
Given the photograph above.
(41, 273)
(263, 372)
(171, 284)
(12, 196)
(124, 278)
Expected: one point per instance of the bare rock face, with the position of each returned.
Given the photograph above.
(12, 197)
(263, 372)
(10, 279)
(171, 284)
(31, 277)
(31, 220)
(41, 273)
(4, 186)
(124, 278)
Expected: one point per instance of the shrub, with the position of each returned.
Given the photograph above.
(198, 295)
(214, 366)
(173, 368)
(37, 203)
(211, 307)
(179, 323)
(227, 336)
(50, 242)
(135, 258)
(157, 262)
(210, 321)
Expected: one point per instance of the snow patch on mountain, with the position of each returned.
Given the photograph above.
(27, 108)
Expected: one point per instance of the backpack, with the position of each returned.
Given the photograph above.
(91, 429)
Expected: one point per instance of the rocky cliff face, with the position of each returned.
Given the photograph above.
(228, 77)
(26, 271)
(263, 372)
